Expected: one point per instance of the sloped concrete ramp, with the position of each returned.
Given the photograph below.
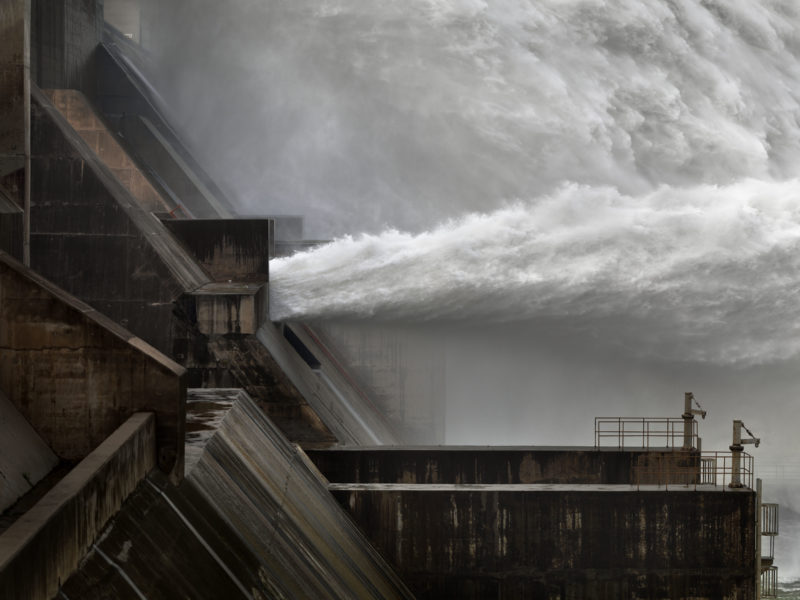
(252, 519)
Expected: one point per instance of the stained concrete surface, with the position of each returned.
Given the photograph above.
(236, 250)
(75, 375)
(252, 519)
(554, 541)
(494, 465)
(242, 361)
(41, 549)
(222, 308)
(75, 108)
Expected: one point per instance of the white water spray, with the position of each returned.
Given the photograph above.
(707, 273)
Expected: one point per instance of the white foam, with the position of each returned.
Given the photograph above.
(708, 271)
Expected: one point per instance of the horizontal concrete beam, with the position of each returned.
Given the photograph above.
(497, 465)
(40, 550)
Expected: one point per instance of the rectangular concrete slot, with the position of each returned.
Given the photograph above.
(301, 348)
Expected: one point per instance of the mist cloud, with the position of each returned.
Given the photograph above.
(363, 116)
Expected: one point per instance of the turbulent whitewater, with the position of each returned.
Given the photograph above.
(625, 168)
(633, 165)
(709, 272)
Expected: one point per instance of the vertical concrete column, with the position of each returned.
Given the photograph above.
(688, 421)
(736, 455)
(15, 103)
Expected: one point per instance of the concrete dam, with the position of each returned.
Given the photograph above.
(161, 437)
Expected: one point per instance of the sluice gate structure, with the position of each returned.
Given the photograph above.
(161, 438)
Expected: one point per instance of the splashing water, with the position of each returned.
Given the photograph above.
(664, 137)
(709, 272)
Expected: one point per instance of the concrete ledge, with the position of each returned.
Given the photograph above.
(40, 550)
(493, 465)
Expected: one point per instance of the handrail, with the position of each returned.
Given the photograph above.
(641, 432)
(769, 582)
(769, 518)
(692, 469)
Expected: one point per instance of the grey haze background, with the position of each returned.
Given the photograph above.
(593, 206)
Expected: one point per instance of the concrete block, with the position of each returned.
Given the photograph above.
(229, 249)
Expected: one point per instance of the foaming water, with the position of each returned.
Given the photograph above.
(706, 273)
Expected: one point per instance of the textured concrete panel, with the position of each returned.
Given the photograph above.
(76, 110)
(222, 308)
(539, 541)
(64, 36)
(39, 551)
(75, 375)
(229, 249)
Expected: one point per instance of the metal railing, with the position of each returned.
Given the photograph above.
(641, 432)
(692, 469)
(769, 518)
(769, 582)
